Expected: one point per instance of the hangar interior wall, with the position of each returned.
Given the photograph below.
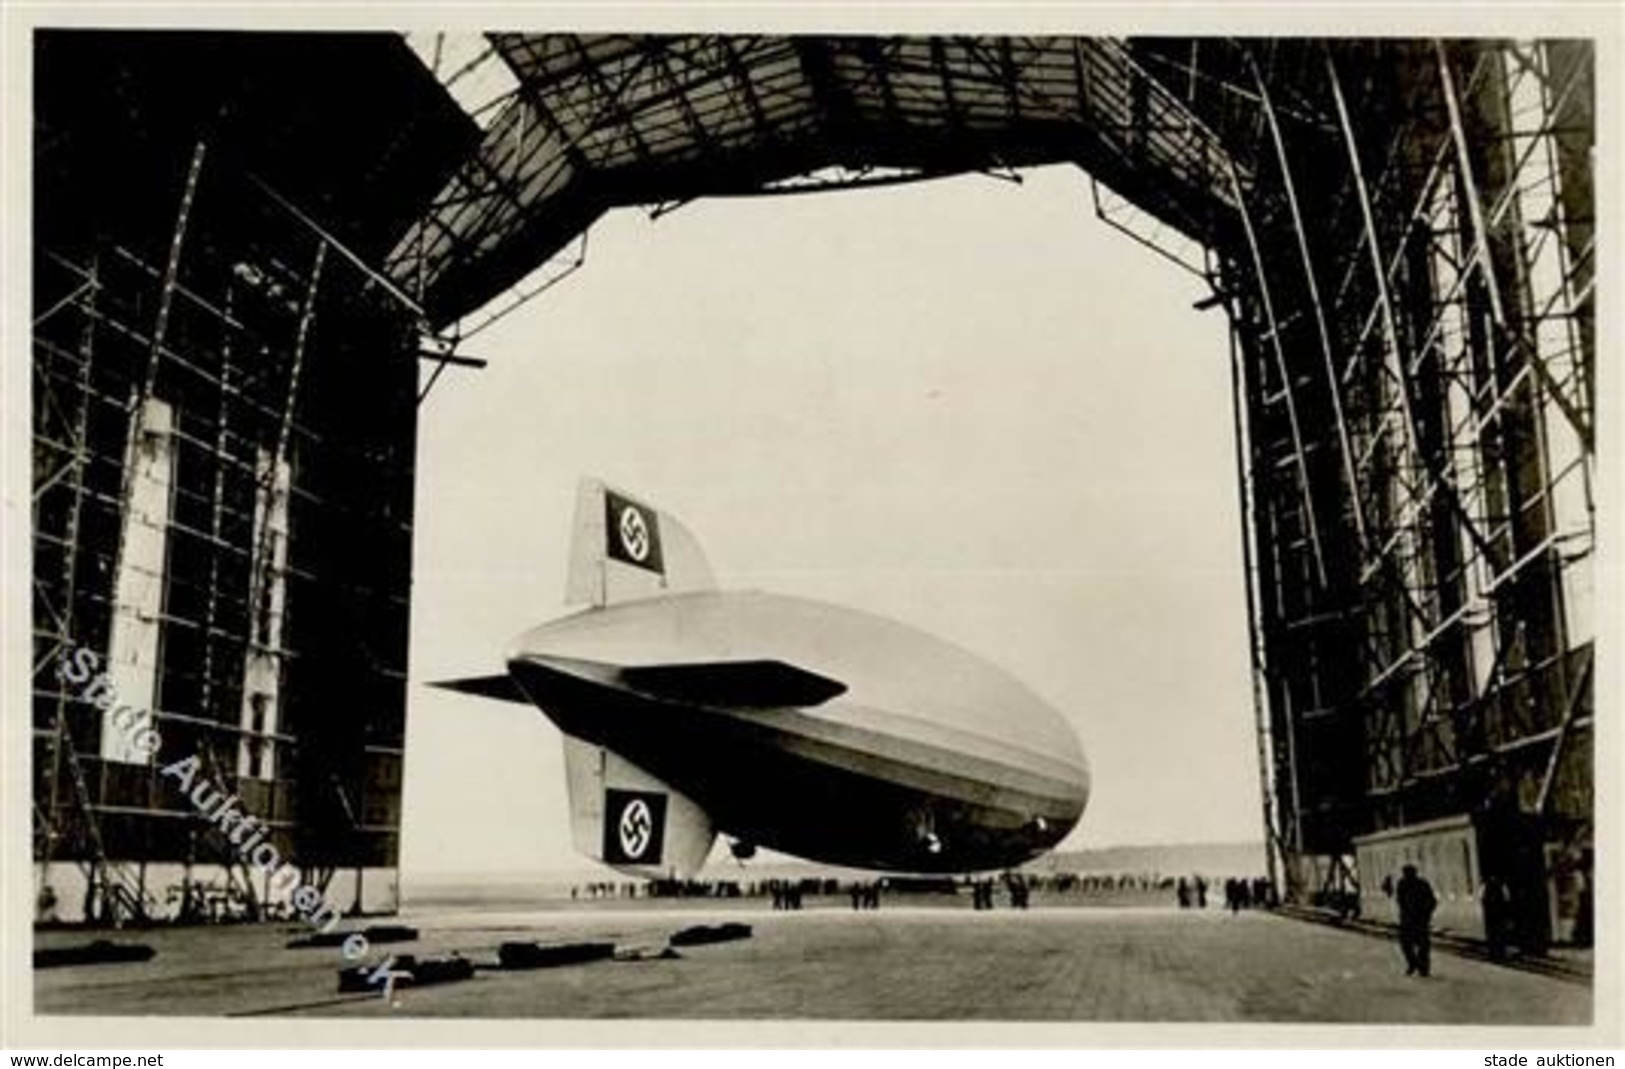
(224, 417)
(1412, 299)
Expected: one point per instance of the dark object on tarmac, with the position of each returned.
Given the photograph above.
(406, 971)
(375, 933)
(647, 953)
(536, 956)
(97, 953)
(360, 978)
(437, 970)
(701, 934)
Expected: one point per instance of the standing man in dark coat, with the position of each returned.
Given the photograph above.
(1416, 905)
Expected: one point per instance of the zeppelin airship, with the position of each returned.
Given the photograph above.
(819, 731)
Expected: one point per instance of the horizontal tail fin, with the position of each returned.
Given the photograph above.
(623, 549)
(734, 684)
(499, 688)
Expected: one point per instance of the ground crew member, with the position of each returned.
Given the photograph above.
(1416, 905)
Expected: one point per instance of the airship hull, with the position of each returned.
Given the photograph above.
(928, 759)
(819, 731)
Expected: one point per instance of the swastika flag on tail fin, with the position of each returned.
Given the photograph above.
(634, 827)
(622, 549)
(632, 533)
(628, 819)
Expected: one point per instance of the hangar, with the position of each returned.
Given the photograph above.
(247, 245)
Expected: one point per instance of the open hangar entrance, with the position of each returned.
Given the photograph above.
(1401, 234)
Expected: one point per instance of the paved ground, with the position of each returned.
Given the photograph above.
(1096, 964)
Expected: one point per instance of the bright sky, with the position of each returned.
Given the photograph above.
(967, 404)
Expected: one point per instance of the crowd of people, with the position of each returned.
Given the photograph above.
(1256, 893)
(1239, 893)
(1092, 883)
(865, 895)
(611, 889)
(1012, 889)
(787, 893)
(1017, 888)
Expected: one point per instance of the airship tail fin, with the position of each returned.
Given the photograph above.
(623, 549)
(498, 688)
(630, 820)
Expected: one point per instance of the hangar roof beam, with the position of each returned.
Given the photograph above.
(644, 119)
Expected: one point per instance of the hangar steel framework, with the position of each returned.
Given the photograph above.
(1400, 231)
(223, 447)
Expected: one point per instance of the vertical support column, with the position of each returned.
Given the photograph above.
(149, 456)
(1334, 386)
(1256, 655)
(217, 503)
(1392, 727)
(172, 268)
(86, 301)
(1274, 328)
(1431, 517)
(138, 585)
(1530, 575)
(1548, 322)
(260, 714)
